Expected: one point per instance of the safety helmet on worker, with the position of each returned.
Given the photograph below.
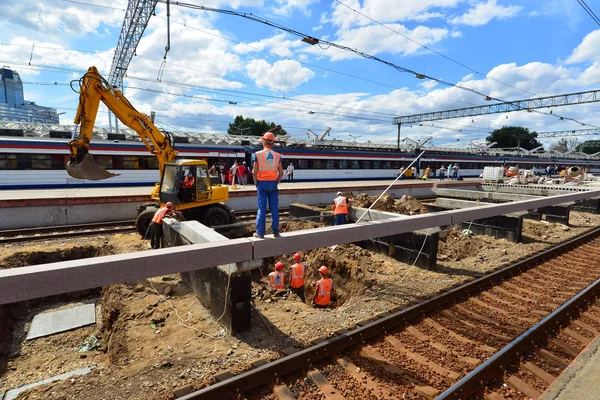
(297, 256)
(339, 194)
(268, 136)
(169, 204)
(278, 265)
(324, 270)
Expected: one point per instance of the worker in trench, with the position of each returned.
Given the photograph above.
(297, 274)
(324, 290)
(277, 278)
(166, 211)
(340, 209)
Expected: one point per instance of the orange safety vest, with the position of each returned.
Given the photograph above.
(340, 205)
(268, 164)
(160, 214)
(324, 287)
(297, 278)
(277, 280)
(188, 182)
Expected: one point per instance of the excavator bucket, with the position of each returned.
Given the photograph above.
(88, 169)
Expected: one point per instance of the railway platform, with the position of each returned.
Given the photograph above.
(52, 207)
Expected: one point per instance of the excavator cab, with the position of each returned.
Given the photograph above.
(185, 182)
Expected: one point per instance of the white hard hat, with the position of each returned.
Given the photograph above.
(338, 193)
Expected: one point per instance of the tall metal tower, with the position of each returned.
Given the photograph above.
(136, 20)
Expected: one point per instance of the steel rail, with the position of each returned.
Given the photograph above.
(63, 235)
(285, 365)
(473, 381)
(31, 231)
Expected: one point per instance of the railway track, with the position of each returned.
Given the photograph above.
(507, 335)
(66, 231)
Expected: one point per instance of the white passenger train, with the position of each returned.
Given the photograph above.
(39, 161)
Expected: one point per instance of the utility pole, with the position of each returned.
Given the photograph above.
(399, 125)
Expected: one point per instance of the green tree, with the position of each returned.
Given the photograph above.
(251, 127)
(589, 146)
(514, 136)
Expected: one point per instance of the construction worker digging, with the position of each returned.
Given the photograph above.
(297, 274)
(276, 278)
(323, 290)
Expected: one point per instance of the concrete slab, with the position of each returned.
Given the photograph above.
(580, 379)
(60, 321)
(12, 394)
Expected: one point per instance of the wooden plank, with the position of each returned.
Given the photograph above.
(324, 386)
(577, 336)
(422, 389)
(440, 346)
(366, 381)
(556, 360)
(282, 392)
(523, 387)
(586, 327)
(540, 373)
(476, 328)
(591, 316)
(572, 351)
(516, 306)
(438, 369)
(457, 336)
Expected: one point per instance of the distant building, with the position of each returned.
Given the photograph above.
(14, 107)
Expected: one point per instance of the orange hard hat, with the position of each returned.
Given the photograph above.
(297, 256)
(278, 265)
(169, 204)
(269, 136)
(323, 269)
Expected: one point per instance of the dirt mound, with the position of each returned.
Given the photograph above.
(25, 258)
(406, 205)
(113, 333)
(457, 246)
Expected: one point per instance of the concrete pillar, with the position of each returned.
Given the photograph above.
(509, 227)
(224, 290)
(405, 247)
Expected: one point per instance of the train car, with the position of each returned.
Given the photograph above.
(39, 162)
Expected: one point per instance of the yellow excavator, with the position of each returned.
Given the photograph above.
(184, 182)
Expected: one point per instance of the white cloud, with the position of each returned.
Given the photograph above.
(587, 50)
(375, 39)
(287, 7)
(282, 75)
(381, 10)
(277, 44)
(483, 13)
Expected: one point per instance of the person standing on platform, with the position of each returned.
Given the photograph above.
(241, 173)
(443, 171)
(290, 172)
(297, 274)
(166, 211)
(340, 209)
(222, 171)
(233, 171)
(401, 172)
(426, 173)
(267, 171)
(324, 289)
(277, 278)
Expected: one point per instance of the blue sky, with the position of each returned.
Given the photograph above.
(220, 66)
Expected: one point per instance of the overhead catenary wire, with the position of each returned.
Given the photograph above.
(434, 51)
(587, 9)
(312, 40)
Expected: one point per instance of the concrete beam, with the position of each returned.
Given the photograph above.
(453, 204)
(491, 197)
(26, 283)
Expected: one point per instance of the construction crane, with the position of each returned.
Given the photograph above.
(319, 139)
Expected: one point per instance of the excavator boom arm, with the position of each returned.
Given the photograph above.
(94, 89)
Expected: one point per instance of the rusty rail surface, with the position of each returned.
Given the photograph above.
(247, 381)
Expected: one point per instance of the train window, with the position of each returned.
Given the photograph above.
(396, 164)
(366, 164)
(58, 161)
(319, 164)
(301, 164)
(23, 161)
(355, 164)
(130, 162)
(8, 161)
(376, 164)
(104, 161)
(343, 164)
(387, 165)
(40, 161)
(331, 164)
